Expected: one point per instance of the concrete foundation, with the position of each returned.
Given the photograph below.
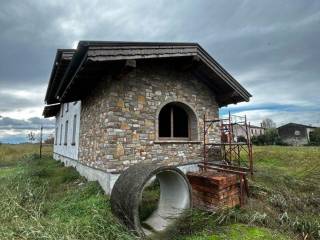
(106, 179)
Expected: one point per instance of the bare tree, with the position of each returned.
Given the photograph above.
(31, 136)
(268, 123)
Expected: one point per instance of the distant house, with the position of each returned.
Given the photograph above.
(240, 130)
(120, 103)
(295, 134)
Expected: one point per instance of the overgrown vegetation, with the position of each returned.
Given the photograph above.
(270, 137)
(41, 199)
(284, 202)
(149, 200)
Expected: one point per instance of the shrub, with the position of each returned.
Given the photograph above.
(315, 137)
(271, 137)
(241, 139)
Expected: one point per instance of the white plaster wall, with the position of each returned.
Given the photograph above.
(105, 179)
(68, 150)
(254, 131)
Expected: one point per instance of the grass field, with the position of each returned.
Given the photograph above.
(41, 199)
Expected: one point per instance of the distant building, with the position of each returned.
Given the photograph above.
(240, 130)
(295, 134)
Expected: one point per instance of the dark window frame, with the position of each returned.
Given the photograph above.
(56, 136)
(61, 129)
(66, 133)
(74, 130)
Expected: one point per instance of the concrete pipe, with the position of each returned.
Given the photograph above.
(175, 197)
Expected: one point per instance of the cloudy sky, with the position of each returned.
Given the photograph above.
(271, 47)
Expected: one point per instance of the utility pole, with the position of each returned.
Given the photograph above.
(41, 128)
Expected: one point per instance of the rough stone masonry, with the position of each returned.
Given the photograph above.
(119, 119)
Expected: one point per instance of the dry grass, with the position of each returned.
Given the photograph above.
(42, 199)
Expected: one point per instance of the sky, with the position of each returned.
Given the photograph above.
(271, 47)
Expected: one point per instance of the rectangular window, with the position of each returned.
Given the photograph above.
(66, 134)
(61, 133)
(74, 130)
(56, 138)
(67, 107)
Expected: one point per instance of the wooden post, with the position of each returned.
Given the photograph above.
(41, 128)
(250, 151)
(230, 138)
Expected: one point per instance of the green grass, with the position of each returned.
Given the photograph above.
(149, 200)
(42, 199)
(241, 232)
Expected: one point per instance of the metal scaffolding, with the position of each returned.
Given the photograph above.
(237, 155)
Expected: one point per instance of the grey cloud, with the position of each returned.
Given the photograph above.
(270, 46)
(7, 123)
(9, 102)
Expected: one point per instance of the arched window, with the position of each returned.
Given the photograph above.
(177, 121)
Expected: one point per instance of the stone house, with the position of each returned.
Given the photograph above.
(295, 134)
(120, 103)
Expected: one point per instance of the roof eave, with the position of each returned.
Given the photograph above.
(50, 110)
(61, 56)
(82, 52)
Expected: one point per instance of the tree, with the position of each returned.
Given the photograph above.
(31, 136)
(270, 137)
(268, 123)
(315, 137)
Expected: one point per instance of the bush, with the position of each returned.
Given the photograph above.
(315, 137)
(271, 137)
(241, 139)
(258, 140)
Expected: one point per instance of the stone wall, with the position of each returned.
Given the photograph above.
(119, 118)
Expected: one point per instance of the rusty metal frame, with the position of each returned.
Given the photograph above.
(231, 149)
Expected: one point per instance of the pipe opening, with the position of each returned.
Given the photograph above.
(164, 198)
(170, 197)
